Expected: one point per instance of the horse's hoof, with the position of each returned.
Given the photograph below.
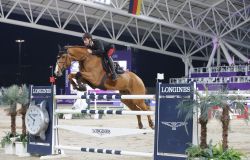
(151, 125)
(140, 126)
(82, 88)
(74, 87)
(77, 88)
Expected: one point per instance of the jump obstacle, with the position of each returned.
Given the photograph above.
(170, 138)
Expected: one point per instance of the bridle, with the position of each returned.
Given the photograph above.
(63, 63)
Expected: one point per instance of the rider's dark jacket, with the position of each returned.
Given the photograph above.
(97, 48)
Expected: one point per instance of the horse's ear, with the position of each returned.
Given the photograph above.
(66, 47)
(59, 47)
(60, 51)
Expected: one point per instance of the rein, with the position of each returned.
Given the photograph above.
(83, 57)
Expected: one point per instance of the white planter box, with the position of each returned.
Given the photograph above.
(201, 159)
(97, 116)
(9, 148)
(21, 149)
(67, 116)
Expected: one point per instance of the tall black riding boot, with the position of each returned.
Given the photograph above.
(112, 68)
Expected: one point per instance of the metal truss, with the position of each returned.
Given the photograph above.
(178, 28)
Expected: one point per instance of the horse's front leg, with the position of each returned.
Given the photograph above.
(80, 82)
(72, 76)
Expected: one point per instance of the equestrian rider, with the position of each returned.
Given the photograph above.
(97, 48)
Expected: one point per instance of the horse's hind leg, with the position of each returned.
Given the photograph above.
(150, 122)
(144, 107)
(133, 107)
(140, 125)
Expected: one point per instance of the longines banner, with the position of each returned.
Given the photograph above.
(104, 132)
(36, 145)
(171, 136)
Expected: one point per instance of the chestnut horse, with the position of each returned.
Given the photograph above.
(93, 73)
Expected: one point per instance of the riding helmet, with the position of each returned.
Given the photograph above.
(87, 35)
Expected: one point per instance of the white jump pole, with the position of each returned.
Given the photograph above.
(122, 97)
(105, 151)
(115, 112)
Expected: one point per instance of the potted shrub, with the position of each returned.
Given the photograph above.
(7, 142)
(21, 145)
(193, 151)
(212, 152)
(231, 154)
(11, 96)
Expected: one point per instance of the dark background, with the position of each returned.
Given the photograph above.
(39, 52)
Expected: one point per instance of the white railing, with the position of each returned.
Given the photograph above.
(113, 97)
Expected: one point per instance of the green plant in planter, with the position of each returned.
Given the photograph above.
(193, 151)
(23, 138)
(217, 150)
(7, 139)
(212, 152)
(60, 115)
(231, 154)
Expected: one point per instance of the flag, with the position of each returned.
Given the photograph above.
(135, 7)
(52, 79)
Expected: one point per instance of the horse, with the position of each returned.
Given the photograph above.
(93, 73)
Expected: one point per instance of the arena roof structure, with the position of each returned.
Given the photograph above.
(187, 29)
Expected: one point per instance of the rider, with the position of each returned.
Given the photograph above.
(97, 47)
